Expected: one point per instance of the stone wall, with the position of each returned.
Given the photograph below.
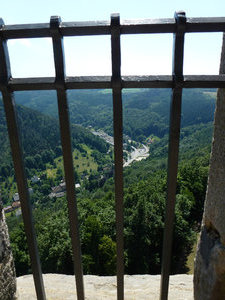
(209, 274)
(7, 270)
(137, 287)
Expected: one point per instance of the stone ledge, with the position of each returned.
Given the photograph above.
(141, 287)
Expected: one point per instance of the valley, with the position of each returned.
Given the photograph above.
(133, 151)
(146, 123)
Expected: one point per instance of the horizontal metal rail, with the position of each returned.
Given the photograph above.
(105, 82)
(103, 27)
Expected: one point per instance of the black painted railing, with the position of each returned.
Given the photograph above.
(179, 25)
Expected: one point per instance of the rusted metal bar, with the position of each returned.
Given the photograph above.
(205, 24)
(118, 148)
(175, 118)
(57, 40)
(169, 25)
(203, 81)
(128, 82)
(17, 155)
(166, 81)
(103, 27)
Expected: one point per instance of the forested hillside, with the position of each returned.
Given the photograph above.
(146, 112)
(144, 205)
(146, 120)
(41, 146)
(41, 138)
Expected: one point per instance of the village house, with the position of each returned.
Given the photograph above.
(59, 190)
(16, 197)
(8, 209)
(16, 204)
(35, 179)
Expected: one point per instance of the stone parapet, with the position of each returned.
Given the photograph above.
(137, 287)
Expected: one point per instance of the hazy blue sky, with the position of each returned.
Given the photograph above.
(141, 54)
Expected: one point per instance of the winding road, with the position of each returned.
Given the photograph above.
(137, 154)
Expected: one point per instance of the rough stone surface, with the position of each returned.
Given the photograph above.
(137, 287)
(209, 274)
(7, 270)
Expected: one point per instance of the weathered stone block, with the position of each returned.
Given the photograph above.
(209, 274)
(7, 270)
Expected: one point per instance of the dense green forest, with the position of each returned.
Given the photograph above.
(144, 204)
(146, 111)
(41, 145)
(41, 133)
(146, 114)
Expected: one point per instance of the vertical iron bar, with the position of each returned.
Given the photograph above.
(17, 155)
(175, 118)
(57, 40)
(118, 148)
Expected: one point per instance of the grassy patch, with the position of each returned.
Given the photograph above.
(51, 173)
(191, 257)
(82, 162)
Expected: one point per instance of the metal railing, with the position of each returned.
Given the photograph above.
(179, 25)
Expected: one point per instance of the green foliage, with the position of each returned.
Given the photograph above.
(146, 113)
(107, 256)
(99, 249)
(192, 182)
(20, 250)
(41, 140)
(144, 223)
(91, 235)
(144, 208)
(55, 245)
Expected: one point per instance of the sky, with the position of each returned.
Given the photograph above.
(141, 54)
